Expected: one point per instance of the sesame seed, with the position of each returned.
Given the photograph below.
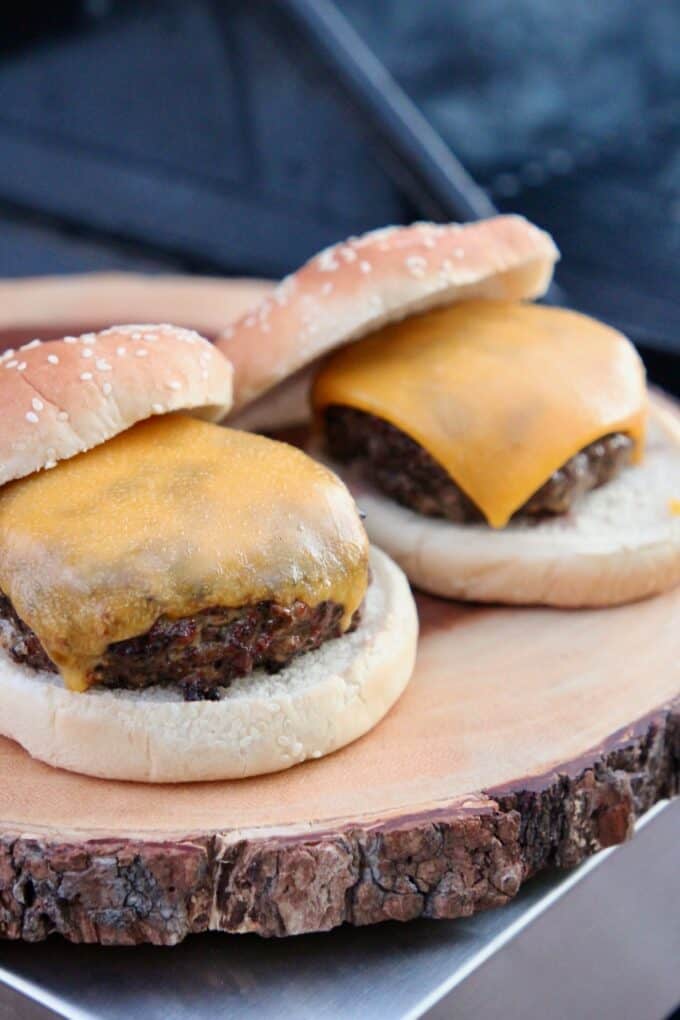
(7, 354)
(136, 335)
(327, 288)
(121, 351)
(37, 405)
(465, 277)
(107, 389)
(174, 385)
(102, 365)
(12, 364)
(86, 353)
(50, 464)
(141, 352)
(88, 338)
(62, 416)
(53, 359)
(348, 254)
(31, 345)
(416, 265)
(21, 367)
(32, 417)
(150, 337)
(86, 376)
(326, 262)
(70, 340)
(157, 408)
(365, 267)
(429, 241)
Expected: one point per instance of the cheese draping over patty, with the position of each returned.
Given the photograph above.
(169, 518)
(500, 394)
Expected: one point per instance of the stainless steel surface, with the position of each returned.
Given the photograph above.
(608, 950)
(396, 971)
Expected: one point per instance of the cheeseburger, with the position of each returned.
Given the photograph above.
(178, 601)
(502, 450)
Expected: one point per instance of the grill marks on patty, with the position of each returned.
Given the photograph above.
(200, 653)
(407, 473)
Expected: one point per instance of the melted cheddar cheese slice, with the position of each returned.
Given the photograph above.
(170, 518)
(500, 394)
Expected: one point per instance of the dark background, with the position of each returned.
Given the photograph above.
(211, 137)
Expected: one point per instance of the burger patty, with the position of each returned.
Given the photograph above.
(407, 473)
(199, 653)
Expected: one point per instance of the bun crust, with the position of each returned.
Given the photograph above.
(364, 283)
(620, 543)
(317, 704)
(61, 398)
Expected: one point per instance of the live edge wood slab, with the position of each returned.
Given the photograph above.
(527, 738)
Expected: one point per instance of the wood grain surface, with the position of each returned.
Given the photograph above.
(526, 738)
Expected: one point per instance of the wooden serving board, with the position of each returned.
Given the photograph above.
(527, 738)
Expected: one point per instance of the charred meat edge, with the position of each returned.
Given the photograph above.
(200, 654)
(406, 472)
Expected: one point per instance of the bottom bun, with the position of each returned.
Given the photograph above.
(620, 542)
(320, 702)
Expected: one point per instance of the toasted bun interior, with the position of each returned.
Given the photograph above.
(64, 397)
(356, 287)
(619, 543)
(317, 704)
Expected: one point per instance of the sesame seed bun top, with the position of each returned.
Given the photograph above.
(356, 287)
(61, 398)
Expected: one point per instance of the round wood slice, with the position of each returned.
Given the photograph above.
(527, 738)
(50, 307)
